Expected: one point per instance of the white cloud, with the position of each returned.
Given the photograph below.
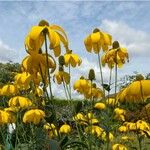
(136, 41)
(6, 53)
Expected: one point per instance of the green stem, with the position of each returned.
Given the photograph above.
(116, 75)
(101, 73)
(70, 80)
(65, 89)
(49, 77)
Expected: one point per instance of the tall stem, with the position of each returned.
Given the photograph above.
(101, 73)
(70, 81)
(49, 80)
(116, 74)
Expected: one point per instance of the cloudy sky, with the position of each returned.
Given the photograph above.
(127, 22)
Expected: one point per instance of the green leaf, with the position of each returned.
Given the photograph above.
(106, 87)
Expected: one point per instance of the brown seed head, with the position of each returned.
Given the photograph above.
(61, 60)
(96, 30)
(115, 45)
(43, 23)
(91, 75)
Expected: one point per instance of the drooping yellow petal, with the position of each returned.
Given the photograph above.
(88, 44)
(95, 37)
(56, 27)
(54, 39)
(36, 32)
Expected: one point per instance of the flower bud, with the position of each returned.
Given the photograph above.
(94, 85)
(96, 30)
(61, 68)
(139, 77)
(91, 75)
(81, 77)
(61, 60)
(43, 23)
(115, 45)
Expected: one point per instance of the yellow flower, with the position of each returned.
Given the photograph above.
(19, 101)
(119, 117)
(23, 80)
(62, 76)
(124, 138)
(119, 147)
(82, 85)
(37, 64)
(111, 101)
(93, 92)
(97, 40)
(36, 78)
(95, 130)
(36, 37)
(72, 59)
(33, 116)
(119, 111)
(38, 91)
(80, 117)
(137, 91)
(122, 129)
(103, 136)
(142, 125)
(115, 56)
(9, 89)
(130, 126)
(11, 109)
(52, 131)
(6, 117)
(100, 106)
(66, 129)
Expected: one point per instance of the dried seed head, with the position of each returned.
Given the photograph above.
(43, 23)
(115, 45)
(91, 75)
(96, 30)
(139, 77)
(61, 60)
(94, 85)
(82, 77)
(61, 68)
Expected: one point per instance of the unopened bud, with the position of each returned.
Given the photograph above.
(43, 23)
(139, 77)
(96, 30)
(91, 75)
(81, 77)
(115, 45)
(61, 68)
(61, 60)
(94, 85)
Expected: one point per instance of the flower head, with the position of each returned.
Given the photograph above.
(97, 40)
(119, 147)
(117, 55)
(100, 106)
(33, 116)
(36, 38)
(137, 91)
(37, 64)
(66, 129)
(6, 117)
(23, 80)
(9, 89)
(19, 101)
(72, 59)
(61, 77)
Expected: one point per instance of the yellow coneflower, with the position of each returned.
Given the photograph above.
(33, 116)
(36, 38)
(97, 40)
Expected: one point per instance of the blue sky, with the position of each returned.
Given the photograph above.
(127, 22)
